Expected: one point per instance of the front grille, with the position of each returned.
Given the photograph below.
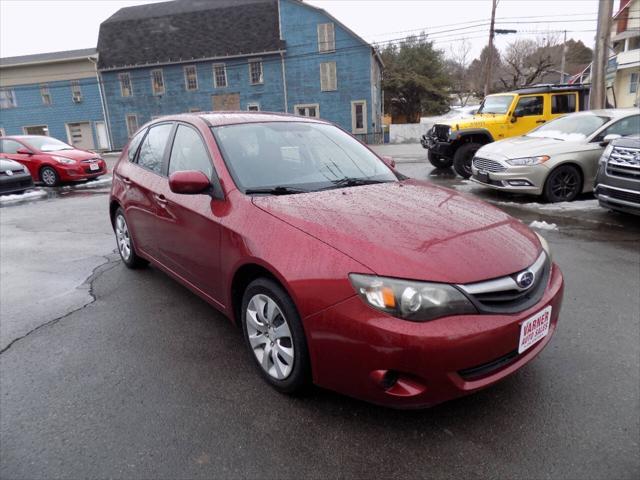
(14, 172)
(488, 165)
(441, 132)
(91, 160)
(503, 295)
(488, 368)
(624, 162)
(624, 195)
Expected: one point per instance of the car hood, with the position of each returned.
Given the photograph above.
(412, 230)
(74, 154)
(6, 164)
(518, 147)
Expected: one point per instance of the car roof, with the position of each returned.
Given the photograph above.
(216, 119)
(610, 112)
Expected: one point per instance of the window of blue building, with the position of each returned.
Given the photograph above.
(125, 84)
(255, 71)
(326, 38)
(45, 94)
(7, 98)
(219, 75)
(157, 82)
(190, 78)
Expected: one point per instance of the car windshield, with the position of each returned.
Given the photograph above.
(571, 128)
(293, 157)
(496, 104)
(47, 144)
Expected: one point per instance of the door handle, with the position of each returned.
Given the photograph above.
(540, 121)
(125, 180)
(161, 199)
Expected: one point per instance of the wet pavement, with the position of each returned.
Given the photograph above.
(107, 372)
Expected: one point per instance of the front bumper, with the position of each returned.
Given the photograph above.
(80, 171)
(15, 183)
(352, 346)
(534, 175)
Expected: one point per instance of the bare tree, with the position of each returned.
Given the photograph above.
(527, 61)
(458, 63)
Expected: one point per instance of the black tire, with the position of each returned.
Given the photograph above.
(132, 260)
(563, 184)
(299, 376)
(462, 158)
(439, 162)
(49, 176)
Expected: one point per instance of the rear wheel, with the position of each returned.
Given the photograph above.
(125, 245)
(563, 184)
(463, 157)
(439, 162)
(49, 176)
(274, 335)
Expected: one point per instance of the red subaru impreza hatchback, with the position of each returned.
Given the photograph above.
(340, 270)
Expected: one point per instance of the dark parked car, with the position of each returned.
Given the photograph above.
(618, 181)
(339, 270)
(14, 178)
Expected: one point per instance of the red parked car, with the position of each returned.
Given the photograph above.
(51, 161)
(340, 271)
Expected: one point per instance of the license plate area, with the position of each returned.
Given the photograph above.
(483, 176)
(534, 329)
(94, 167)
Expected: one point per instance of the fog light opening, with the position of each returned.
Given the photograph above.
(520, 183)
(389, 379)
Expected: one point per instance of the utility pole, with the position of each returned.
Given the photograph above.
(488, 67)
(598, 98)
(564, 54)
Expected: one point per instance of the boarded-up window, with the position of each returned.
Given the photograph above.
(328, 77)
(326, 37)
(230, 101)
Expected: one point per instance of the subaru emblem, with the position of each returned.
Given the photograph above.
(525, 279)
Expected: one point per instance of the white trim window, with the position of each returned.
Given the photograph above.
(219, 75)
(125, 84)
(307, 110)
(256, 76)
(2, 133)
(7, 98)
(633, 82)
(132, 124)
(190, 78)
(157, 82)
(326, 38)
(76, 91)
(328, 77)
(359, 116)
(253, 107)
(45, 94)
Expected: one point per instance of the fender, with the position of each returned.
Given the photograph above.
(457, 135)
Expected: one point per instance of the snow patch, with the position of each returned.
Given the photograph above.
(103, 182)
(19, 197)
(542, 225)
(578, 205)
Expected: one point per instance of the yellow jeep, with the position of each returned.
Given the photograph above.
(500, 116)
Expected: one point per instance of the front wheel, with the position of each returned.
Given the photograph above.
(439, 162)
(274, 335)
(49, 176)
(563, 184)
(463, 157)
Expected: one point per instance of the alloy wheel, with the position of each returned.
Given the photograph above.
(48, 177)
(122, 237)
(270, 336)
(564, 184)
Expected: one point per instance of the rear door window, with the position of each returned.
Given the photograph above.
(564, 103)
(153, 147)
(626, 126)
(189, 152)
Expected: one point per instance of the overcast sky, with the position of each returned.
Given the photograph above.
(39, 26)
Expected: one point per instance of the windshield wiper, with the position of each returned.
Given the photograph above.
(352, 182)
(279, 190)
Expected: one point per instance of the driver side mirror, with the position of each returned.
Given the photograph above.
(24, 151)
(389, 161)
(189, 182)
(609, 138)
(514, 117)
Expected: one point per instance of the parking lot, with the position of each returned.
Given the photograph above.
(108, 372)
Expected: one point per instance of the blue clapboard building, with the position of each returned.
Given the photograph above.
(216, 55)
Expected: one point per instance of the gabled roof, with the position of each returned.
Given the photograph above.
(184, 30)
(47, 57)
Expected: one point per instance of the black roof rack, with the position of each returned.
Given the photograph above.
(547, 88)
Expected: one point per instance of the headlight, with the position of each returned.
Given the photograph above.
(520, 162)
(67, 161)
(606, 154)
(545, 246)
(410, 300)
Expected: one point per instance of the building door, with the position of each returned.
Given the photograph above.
(80, 135)
(229, 101)
(101, 136)
(36, 130)
(359, 116)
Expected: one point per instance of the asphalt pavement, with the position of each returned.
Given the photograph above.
(112, 373)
